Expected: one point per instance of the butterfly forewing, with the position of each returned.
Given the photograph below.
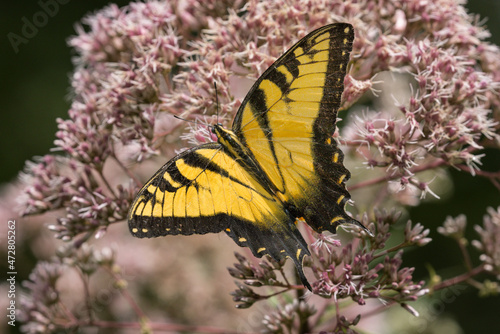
(287, 122)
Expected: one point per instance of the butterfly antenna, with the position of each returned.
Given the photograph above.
(216, 101)
(185, 120)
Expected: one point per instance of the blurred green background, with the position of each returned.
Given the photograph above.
(35, 87)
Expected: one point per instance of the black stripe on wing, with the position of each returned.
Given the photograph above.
(277, 244)
(328, 158)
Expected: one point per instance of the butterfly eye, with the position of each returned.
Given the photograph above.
(217, 128)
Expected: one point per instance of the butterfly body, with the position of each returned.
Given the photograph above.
(278, 164)
(233, 147)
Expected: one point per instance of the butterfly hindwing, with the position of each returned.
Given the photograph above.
(287, 121)
(205, 190)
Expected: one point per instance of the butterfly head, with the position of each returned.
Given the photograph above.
(217, 128)
(224, 136)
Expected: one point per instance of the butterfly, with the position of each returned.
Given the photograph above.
(277, 165)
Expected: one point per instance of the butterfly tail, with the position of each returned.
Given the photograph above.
(296, 248)
(298, 258)
(279, 244)
(361, 226)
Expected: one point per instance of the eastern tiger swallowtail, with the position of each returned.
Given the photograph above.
(278, 164)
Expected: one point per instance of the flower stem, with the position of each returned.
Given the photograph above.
(390, 250)
(465, 254)
(458, 279)
(125, 293)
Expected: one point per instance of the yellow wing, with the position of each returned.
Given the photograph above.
(287, 121)
(205, 190)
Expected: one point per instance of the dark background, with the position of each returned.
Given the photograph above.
(34, 89)
(35, 80)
